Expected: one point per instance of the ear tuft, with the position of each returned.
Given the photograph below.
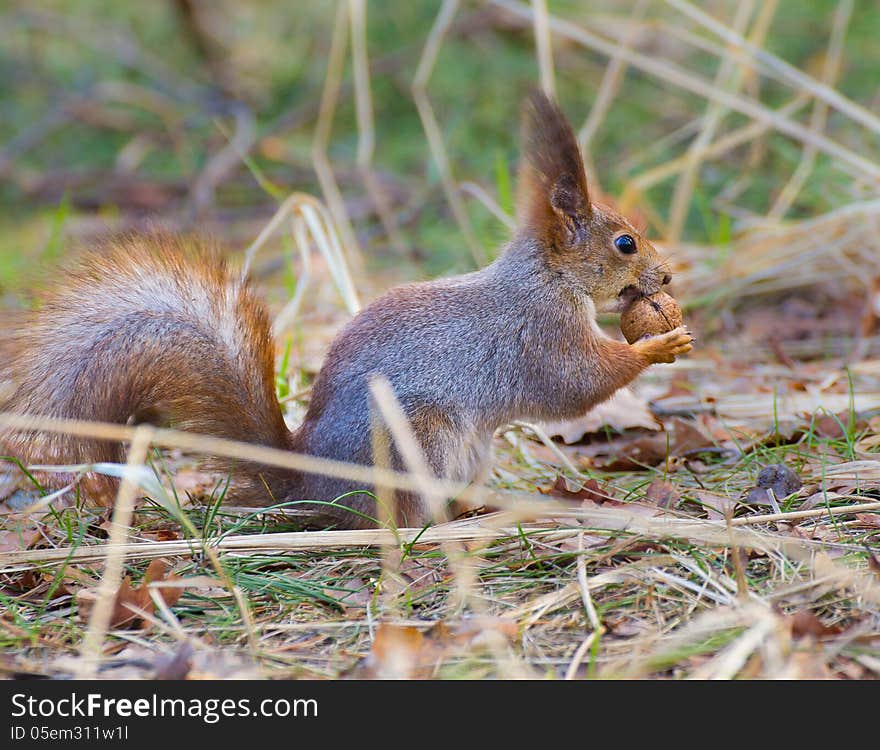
(552, 189)
(565, 196)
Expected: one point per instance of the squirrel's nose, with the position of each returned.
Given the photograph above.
(666, 279)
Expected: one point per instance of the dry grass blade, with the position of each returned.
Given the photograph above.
(432, 128)
(485, 530)
(474, 190)
(608, 88)
(671, 73)
(321, 141)
(726, 143)
(798, 515)
(99, 621)
(311, 224)
(539, 433)
(780, 69)
(730, 661)
(167, 438)
(257, 543)
(386, 514)
(632, 581)
(519, 506)
(544, 45)
(460, 562)
(819, 115)
(731, 79)
(583, 582)
(366, 131)
(760, 408)
(530, 612)
(579, 655)
(433, 497)
(220, 166)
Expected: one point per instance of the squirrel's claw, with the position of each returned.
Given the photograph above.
(663, 348)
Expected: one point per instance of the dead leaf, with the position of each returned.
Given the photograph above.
(158, 572)
(848, 669)
(577, 543)
(639, 454)
(827, 426)
(162, 535)
(352, 593)
(106, 526)
(809, 665)
(406, 652)
(474, 631)
(398, 653)
(20, 536)
(590, 491)
(624, 627)
(421, 573)
(121, 614)
(29, 580)
(867, 446)
(31, 585)
(758, 496)
(687, 437)
(871, 520)
(717, 506)
(835, 426)
(623, 411)
(128, 599)
(662, 494)
(679, 385)
(223, 664)
(805, 623)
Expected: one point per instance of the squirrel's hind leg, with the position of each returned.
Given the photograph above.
(456, 450)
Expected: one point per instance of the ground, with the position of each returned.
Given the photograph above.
(722, 520)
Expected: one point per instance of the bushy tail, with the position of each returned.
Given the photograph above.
(147, 329)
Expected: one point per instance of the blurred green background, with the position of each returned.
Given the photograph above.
(110, 111)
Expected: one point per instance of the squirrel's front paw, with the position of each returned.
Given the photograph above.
(665, 347)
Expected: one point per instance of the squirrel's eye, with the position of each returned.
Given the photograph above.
(626, 244)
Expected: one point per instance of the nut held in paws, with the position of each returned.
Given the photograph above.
(648, 316)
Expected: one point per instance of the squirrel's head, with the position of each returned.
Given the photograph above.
(594, 248)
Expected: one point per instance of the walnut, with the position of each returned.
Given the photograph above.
(648, 316)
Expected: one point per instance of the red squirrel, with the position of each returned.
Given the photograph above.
(147, 330)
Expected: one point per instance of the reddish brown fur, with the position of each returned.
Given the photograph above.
(157, 361)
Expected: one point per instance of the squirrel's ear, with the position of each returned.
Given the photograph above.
(552, 184)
